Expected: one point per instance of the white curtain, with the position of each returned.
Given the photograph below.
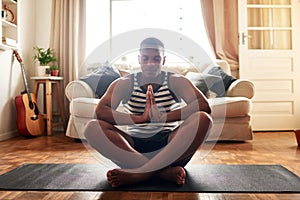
(67, 38)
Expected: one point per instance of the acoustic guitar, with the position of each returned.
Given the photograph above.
(30, 121)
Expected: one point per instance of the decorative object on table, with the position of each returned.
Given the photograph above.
(54, 70)
(30, 121)
(48, 71)
(9, 15)
(44, 57)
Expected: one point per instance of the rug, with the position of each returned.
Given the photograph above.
(200, 178)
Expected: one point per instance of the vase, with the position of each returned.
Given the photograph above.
(54, 72)
(41, 71)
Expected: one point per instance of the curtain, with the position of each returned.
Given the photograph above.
(68, 38)
(221, 22)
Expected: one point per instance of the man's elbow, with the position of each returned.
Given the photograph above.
(207, 109)
(100, 112)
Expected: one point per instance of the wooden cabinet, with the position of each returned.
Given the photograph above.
(9, 24)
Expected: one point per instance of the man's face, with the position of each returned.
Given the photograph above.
(151, 61)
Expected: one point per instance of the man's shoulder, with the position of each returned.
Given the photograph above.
(176, 76)
(178, 80)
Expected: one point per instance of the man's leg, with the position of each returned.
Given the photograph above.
(113, 144)
(183, 144)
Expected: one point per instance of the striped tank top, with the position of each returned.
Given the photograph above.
(165, 100)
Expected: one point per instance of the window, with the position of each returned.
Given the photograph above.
(181, 16)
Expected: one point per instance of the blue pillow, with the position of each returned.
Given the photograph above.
(100, 79)
(207, 82)
(226, 78)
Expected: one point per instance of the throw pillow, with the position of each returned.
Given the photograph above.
(100, 79)
(227, 79)
(206, 83)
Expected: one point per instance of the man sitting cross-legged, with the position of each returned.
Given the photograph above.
(155, 145)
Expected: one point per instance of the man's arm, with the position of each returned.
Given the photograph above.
(106, 108)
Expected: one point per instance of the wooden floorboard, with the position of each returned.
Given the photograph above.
(266, 148)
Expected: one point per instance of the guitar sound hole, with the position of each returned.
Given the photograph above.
(34, 117)
(36, 110)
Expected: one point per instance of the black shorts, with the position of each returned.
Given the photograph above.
(152, 143)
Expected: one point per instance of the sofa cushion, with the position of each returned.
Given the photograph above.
(83, 107)
(207, 82)
(100, 79)
(230, 107)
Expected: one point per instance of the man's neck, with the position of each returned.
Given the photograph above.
(151, 80)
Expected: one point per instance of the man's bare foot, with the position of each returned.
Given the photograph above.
(174, 174)
(117, 177)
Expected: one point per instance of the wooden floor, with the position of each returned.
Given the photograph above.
(266, 148)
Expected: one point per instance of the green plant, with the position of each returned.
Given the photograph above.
(44, 56)
(48, 71)
(55, 67)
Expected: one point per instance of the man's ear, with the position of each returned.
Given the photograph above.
(139, 59)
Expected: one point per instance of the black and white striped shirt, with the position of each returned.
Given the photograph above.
(165, 100)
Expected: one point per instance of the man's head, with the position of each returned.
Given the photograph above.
(151, 56)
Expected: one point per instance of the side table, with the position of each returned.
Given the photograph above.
(47, 83)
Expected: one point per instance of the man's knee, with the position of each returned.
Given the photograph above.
(93, 127)
(201, 117)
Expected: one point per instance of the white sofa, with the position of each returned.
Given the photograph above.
(231, 114)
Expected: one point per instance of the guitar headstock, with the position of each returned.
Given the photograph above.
(15, 52)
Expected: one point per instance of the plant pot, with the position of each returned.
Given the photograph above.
(41, 71)
(54, 72)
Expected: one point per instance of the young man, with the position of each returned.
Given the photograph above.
(155, 145)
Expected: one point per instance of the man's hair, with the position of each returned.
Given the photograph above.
(152, 43)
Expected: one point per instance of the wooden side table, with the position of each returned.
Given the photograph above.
(48, 82)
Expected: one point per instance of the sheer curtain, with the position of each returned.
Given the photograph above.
(180, 16)
(221, 21)
(67, 33)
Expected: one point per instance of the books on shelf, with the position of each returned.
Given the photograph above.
(9, 41)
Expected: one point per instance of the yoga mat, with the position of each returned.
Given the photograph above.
(200, 178)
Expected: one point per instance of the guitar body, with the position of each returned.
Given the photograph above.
(30, 121)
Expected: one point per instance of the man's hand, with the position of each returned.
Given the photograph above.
(155, 114)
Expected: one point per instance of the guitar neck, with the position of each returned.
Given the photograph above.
(25, 82)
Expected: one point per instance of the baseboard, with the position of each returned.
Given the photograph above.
(8, 135)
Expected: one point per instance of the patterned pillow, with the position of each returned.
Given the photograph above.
(100, 79)
(206, 83)
(227, 79)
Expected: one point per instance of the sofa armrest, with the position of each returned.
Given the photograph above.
(241, 88)
(78, 88)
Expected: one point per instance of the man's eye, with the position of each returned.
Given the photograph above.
(158, 58)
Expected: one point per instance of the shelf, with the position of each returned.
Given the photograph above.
(8, 24)
(9, 1)
(4, 47)
(10, 30)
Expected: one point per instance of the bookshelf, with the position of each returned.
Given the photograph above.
(9, 25)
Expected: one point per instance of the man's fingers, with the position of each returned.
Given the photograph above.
(150, 94)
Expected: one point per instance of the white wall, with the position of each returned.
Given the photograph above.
(35, 24)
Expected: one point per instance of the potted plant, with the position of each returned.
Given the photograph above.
(54, 70)
(48, 71)
(44, 57)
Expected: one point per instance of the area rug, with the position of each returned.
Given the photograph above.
(200, 178)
